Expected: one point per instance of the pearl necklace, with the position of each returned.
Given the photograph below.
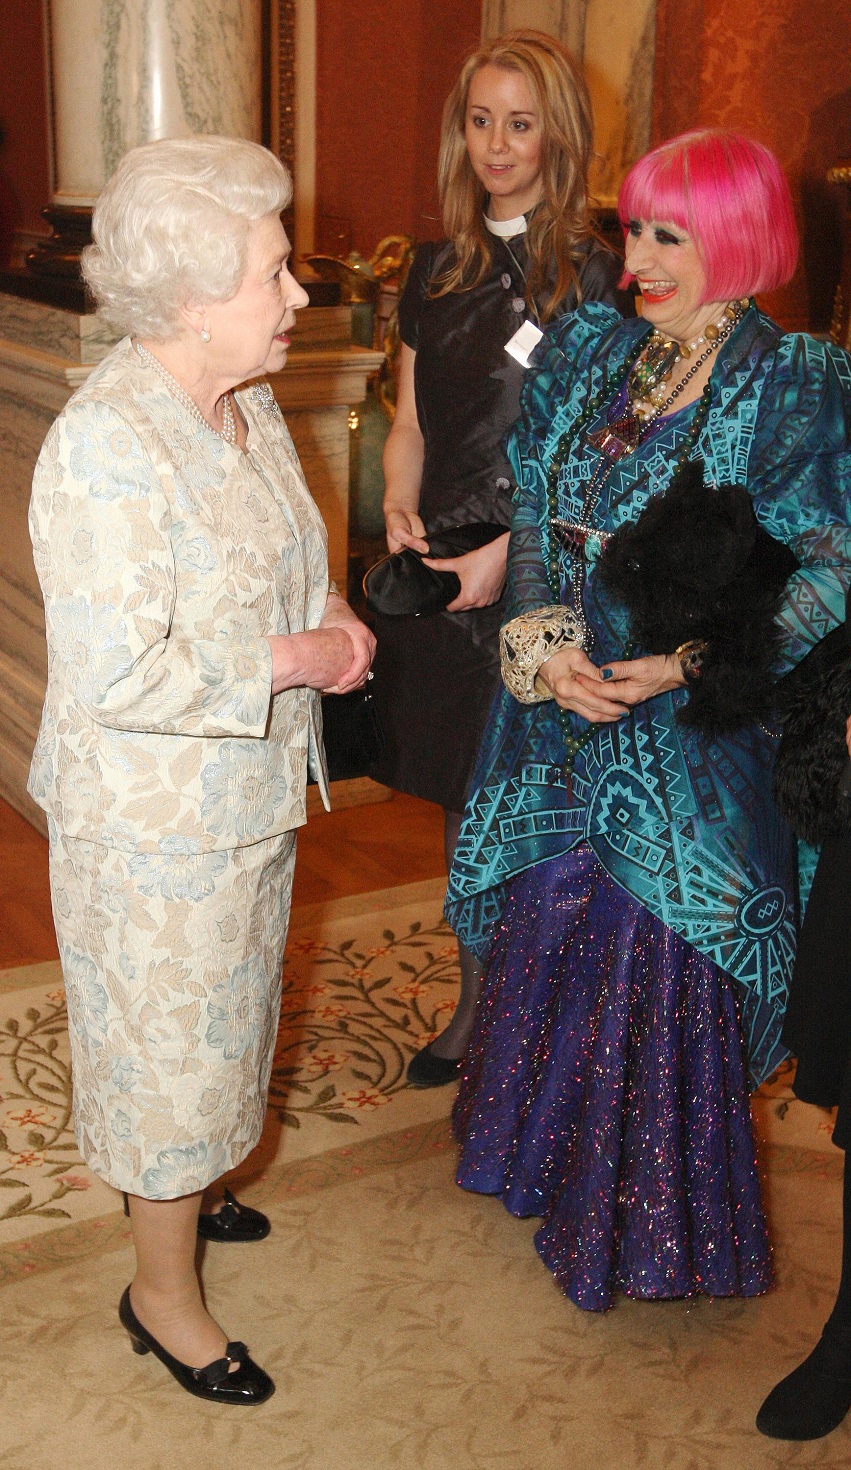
(228, 429)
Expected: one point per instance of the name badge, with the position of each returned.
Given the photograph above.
(524, 341)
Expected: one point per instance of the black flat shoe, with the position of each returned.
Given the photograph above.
(813, 1400)
(234, 1222)
(427, 1070)
(248, 1384)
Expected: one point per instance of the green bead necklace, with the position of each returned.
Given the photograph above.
(573, 743)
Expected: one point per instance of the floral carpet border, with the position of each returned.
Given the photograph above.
(793, 1158)
(63, 1247)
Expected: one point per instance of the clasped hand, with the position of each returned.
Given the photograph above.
(606, 694)
(339, 618)
(334, 658)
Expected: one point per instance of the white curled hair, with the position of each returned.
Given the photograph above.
(171, 227)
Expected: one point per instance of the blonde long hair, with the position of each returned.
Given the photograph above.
(560, 221)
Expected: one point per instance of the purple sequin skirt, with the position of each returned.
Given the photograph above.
(605, 1090)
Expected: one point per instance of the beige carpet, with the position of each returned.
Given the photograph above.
(406, 1323)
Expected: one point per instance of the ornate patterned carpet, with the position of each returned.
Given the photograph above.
(366, 981)
(404, 1321)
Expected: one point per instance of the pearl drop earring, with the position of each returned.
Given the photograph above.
(205, 331)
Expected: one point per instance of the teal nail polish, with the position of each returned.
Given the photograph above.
(607, 673)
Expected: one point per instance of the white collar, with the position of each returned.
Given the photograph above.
(506, 228)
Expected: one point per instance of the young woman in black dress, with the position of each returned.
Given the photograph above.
(515, 149)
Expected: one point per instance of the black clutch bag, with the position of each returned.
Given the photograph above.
(812, 776)
(401, 585)
(351, 733)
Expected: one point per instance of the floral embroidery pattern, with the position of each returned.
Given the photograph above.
(237, 1008)
(345, 1036)
(165, 564)
(241, 790)
(178, 873)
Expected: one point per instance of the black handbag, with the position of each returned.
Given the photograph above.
(352, 733)
(400, 585)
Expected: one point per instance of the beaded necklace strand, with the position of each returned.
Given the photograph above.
(572, 743)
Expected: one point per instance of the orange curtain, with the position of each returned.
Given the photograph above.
(781, 71)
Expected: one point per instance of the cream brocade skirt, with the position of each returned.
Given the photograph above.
(172, 965)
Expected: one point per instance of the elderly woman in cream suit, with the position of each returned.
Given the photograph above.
(190, 626)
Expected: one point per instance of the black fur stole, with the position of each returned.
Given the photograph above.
(697, 564)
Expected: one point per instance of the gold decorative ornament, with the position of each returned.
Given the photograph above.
(690, 656)
(840, 322)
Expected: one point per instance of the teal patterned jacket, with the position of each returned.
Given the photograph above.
(685, 824)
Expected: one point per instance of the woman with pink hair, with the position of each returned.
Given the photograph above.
(621, 870)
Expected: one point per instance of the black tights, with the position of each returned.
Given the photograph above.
(453, 1041)
(838, 1325)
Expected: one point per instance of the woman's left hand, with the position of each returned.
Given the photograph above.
(633, 680)
(338, 614)
(481, 572)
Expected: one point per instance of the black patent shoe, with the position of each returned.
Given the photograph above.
(234, 1222)
(248, 1384)
(427, 1070)
(813, 1400)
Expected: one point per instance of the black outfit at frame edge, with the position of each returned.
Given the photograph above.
(817, 1028)
(435, 677)
(816, 1396)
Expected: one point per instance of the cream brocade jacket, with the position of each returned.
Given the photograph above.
(165, 558)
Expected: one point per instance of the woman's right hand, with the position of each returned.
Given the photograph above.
(404, 528)
(576, 684)
(318, 659)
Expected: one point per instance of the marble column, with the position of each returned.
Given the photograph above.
(618, 56)
(562, 18)
(127, 71)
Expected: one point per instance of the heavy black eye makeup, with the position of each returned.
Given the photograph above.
(665, 237)
(662, 236)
